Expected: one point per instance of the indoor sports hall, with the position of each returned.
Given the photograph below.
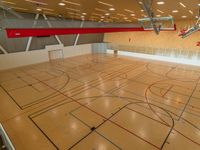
(99, 75)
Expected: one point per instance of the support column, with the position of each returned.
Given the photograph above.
(49, 24)
(30, 38)
(3, 50)
(77, 37)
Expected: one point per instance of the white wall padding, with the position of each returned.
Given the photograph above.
(14, 60)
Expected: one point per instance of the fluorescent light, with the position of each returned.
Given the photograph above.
(36, 2)
(184, 16)
(127, 10)
(107, 4)
(132, 14)
(107, 14)
(160, 11)
(48, 9)
(39, 9)
(72, 3)
(175, 11)
(160, 3)
(191, 12)
(7, 2)
(112, 9)
(84, 14)
(182, 4)
(61, 4)
(19, 8)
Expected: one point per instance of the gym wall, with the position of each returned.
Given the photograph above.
(166, 39)
(19, 44)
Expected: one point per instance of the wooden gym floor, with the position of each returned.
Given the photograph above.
(102, 102)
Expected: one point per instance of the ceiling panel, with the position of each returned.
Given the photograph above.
(125, 10)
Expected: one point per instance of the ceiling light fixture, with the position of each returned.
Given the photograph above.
(127, 10)
(191, 12)
(184, 16)
(36, 2)
(160, 3)
(39, 9)
(182, 4)
(112, 9)
(61, 4)
(72, 3)
(175, 11)
(100, 2)
(160, 11)
(7, 2)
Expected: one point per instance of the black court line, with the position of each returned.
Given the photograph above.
(189, 99)
(44, 133)
(10, 97)
(95, 131)
(46, 98)
(106, 119)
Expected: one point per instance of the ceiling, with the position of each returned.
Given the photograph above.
(98, 10)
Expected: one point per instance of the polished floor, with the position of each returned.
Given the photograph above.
(102, 102)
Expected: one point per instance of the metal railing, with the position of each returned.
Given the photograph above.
(192, 54)
(7, 144)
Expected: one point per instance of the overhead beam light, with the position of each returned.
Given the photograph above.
(160, 3)
(103, 3)
(61, 4)
(96, 14)
(175, 11)
(112, 9)
(191, 12)
(160, 11)
(39, 9)
(47, 9)
(127, 10)
(7, 2)
(19, 8)
(36, 2)
(182, 4)
(72, 3)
